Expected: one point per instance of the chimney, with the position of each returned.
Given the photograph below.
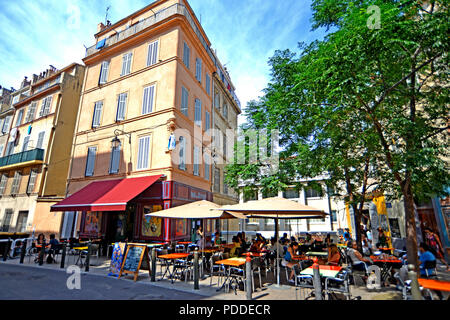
(100, 27)
(24, 83)
(35, 78)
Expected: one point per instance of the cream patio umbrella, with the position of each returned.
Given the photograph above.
(275, 208)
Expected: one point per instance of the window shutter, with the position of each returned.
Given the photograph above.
(10, 148)
(143, 153)
(198, 112)
(31, 181)
(121, 104)
(182, 154)
(208, 84)
(90, 163)
(104, 72)
(31, 112)
(196, 161)
(3, 181)
(97, 114)
(184, 101)
(207, 121)
(207, 166)
(147, 101)
(198, 70)
(186, 55)
(40, 141)
(126, 64)
(16, 183)
(152, 53)
(6, 124)
(25, 143)
(19, 117)
(115, 158)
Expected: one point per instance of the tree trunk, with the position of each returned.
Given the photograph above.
(411, 236)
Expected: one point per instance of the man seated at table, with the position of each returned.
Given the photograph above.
(54, 247)
(425, 255)
(358, 261)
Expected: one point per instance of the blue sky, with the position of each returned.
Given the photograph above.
(245, 33)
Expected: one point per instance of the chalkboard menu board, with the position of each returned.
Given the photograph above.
(133, 260)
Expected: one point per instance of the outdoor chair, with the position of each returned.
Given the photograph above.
(180, 248)
(304, 284)
(237, 277)
(338, 285)
(216, 269)
(403, 283)
(183, 267)
(162, 262)
(256, 269)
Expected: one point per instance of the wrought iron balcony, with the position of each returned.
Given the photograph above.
(26, 156)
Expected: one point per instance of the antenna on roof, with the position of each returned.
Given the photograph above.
(106, 16)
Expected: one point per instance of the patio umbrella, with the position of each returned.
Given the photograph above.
(275, 208)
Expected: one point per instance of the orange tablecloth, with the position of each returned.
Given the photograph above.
(174, 256)
(375, 259)
(254, 254)
(234, 262)
(431, 284)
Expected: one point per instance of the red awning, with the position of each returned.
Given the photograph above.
(110, 195)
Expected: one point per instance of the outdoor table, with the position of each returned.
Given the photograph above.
(386, 265)
(388, 250)
(231, 262)
(254, 254)
(301, 258)
(317, 254)
(324, 270)
(431, 284)
(80, 254)
(171, 257)
(228, 246)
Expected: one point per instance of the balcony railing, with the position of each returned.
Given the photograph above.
(31, 155)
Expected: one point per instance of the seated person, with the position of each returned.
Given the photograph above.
(217, 240)
(334, 257)
(382, 239)
(234, 252)
(328, 240)
(54, 247)
(425, 255)
(366, 247)
(39, 244)
(288, 262)
(358, 261)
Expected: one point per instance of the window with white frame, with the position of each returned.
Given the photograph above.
(90, 161)
(3, 181)
(40, 140)
(225, 110)
(19, 117)
(104, 72)
(126, 64)
(185, 101)
(7, 218)
(143, 153)
(152, 57)
(97, 114)
(121, 106)
(45, 107)
(26, 140)
(6, 124)
(147, 100)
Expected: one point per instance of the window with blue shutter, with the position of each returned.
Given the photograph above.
(126, 63)
(40, 141)
(97, 114)
(196, 161)
(198, 69)
(143, 153)
(104, 72)
(182, 154)
(90, 162)
(20, 117)
(198, 112)
(184, 101)
(121, 106)
(207, 121)
(208, 84)
(31, 112)
(152, 57)
(6, 124)
(115, 160)
(147, 101)
(186, 55)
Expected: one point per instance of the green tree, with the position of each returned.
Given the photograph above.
(365, 102)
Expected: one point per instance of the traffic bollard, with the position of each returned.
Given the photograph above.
(316, 280)
(415, 289)
(153, 277)
(23, 251)
(63, 255)
(248, 274)
(88, 257)
(41, 254)
(196, 275)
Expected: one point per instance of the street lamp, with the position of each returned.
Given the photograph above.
(116, 142)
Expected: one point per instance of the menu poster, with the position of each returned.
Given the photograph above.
(117, 258)
(133, 260)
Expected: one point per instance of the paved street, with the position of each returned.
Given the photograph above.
(28, 283)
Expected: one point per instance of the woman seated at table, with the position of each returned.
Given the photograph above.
(288, 261)
(334, 257)
(235, 251)
(257, 244)
(38, 244)
(358, 261)
(217, 240)
(382, 239)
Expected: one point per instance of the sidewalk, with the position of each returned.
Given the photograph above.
(269, 291)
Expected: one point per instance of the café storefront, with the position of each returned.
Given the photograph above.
(114, 210)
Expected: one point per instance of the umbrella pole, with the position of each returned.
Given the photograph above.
(278, 253)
